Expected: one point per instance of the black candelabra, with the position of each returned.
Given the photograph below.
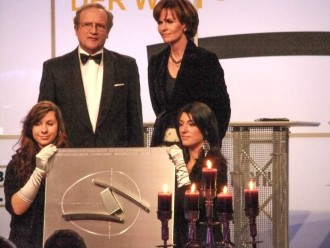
(192, 217)
(164, 217)
(225, 218)
(252, 213)
(224, 208)
(209, 195)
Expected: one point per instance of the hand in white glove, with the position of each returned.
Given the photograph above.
(43, 156)
(29, 191)
(182, 175)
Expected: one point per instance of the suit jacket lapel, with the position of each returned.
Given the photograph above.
(187, 64)
(107, 87)
(77, 90)
(160, 80)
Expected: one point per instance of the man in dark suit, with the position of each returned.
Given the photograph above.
(97, 90)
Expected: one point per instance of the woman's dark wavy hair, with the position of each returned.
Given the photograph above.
(65, 238)
(25, 154)
(204, 118)
(184, 10)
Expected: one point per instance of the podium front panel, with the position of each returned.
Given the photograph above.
(109, 195)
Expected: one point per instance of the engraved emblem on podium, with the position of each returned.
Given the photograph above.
(116, 198)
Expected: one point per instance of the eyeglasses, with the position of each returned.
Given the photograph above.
(90, 25)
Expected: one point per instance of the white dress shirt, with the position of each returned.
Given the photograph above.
(92, 76)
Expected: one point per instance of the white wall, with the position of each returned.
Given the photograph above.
(295, 87)
(25, 44)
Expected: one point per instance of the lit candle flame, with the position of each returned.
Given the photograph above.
(193, 187)
(251, 184)
(209, 164)
(225, 190)
(165, 188)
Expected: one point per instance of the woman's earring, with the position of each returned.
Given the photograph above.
(206, 147)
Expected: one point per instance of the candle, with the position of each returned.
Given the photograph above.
(209, 176)
(191, 200)
(251, 197)
(165, 200)
(224, 201)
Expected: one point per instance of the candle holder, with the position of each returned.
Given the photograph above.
(164, 217)
(209, 195)
(252, 214)
(224, 219)
(192, 217)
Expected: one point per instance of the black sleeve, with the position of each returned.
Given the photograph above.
(11, 186)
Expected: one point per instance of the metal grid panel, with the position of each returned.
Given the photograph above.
(259, 154)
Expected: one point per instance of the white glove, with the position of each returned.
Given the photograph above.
(182, 175)
(29, 191)
(43, 156)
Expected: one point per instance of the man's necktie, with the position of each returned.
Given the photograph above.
(97, 58)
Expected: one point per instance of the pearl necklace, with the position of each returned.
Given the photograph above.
(177, 63)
